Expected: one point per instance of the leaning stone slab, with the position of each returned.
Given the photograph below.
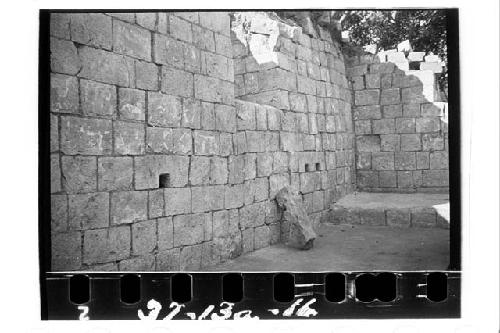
(299, 232)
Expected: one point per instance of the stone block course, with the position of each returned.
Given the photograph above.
(131, 40)
(132, 104)
(88, 211)
(79, 174)
(115, 173)
(64, 94)
(64, 57)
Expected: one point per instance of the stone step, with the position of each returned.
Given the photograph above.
(426, 210)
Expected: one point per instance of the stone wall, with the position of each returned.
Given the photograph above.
(156, 166)
(303, 77)
(401, 125)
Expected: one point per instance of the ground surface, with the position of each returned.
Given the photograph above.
(354, 248)
(394, 200)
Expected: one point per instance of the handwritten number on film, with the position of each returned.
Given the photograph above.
(225, 311)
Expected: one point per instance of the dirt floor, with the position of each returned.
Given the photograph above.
(353, 248)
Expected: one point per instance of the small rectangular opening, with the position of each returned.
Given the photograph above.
(414, 65)
(318, 166)
(164, 180)
(308, 167)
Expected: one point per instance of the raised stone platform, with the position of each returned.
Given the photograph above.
(393, 209)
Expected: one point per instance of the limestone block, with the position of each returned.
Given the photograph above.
(176, 82)
(131, 40)
(382, 68)
(300, 233)
(60, 25)
(390, 142)
(168, 260)
(190, 257)
(107, 67)
(367, 112)
(427, 125)
(217, 66)
(211, 89)
(188, 229)
(132, 104)
(159, 140)
(276, 182)
(367, 179)
(387, 179)
(145, 263)
(180, 29)
(383, 161)
(54, 133)
(55, 174)
(128, 206)
(168, 51)
(216, 21)
(372, 216)
(199, 173)
(115, 173)
(410, 142)
(164, 110)
(405, 125)
(363, 161)
(79, 174)
(390, 96)
(207, 116)
(177, 201)
(206, 143)
(367, 97)
(182, 140)
(146, 75)
(372, 81)
(392, 111)
(63, 94)
(88, 211)
(411, 110)
(58, 213)
(439, 160)
(66, 252)
(128, 138)
(234, 196)
(435, 178)
(156, 204)
(405, 161)
(64, 57)
(368, 143)
(383, 126)
(146, 20)
(144, 237)
(225, 118)
(247, 236)
(105, 245)
(432, 141)
(203, 38)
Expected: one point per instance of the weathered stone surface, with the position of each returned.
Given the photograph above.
(367, 112)
(54, 133)
(383, 161)
(131, 40)
(59, 25)
(128, 206)
(156, 203)
(164, 110)
(145, 263)
(165, 233)
(390, 142)
(66, 251)
(63, 93)
(168, 260)
(128, 138)
(439, 160)
(85, 136)
(79, 174)
(367, 97)
(146, 20)
(383, 126)
(58, 213)
(300, 233)
(132, 103)
(177, 201)
(146, 75)
(105, 245)
(234, 196)
(159, 140)
(372, 216)
(55, 174)
(212, 89)
(435, 178)
(176, 82)
(405, 161)
(64, 57)
(180, 29)
(143, 237)
(190, 257)
(432, 141)
(107, 67)
(88, 211)
(368, 143)
(410, 142)
(182, 140)
(426, 125)
(387, 179)
(203, 39)
(92, 29)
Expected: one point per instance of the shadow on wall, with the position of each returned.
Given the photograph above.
(400, 123)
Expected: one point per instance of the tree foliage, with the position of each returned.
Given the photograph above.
(425, 29)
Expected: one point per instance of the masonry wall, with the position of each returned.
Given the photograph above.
(156, 166)
(303, 77)
(401, 125)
